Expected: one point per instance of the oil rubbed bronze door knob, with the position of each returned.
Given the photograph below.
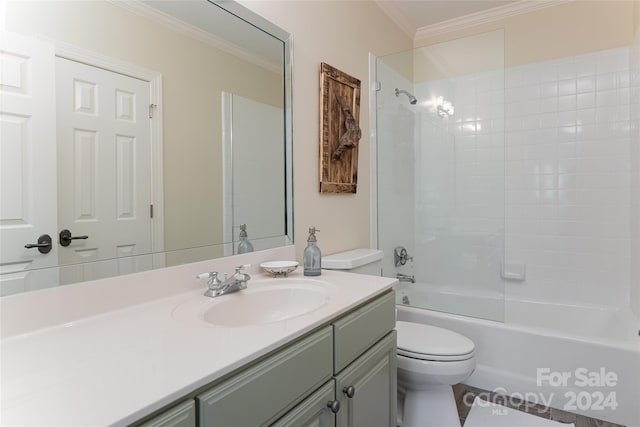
(66, 237)
(43, 245)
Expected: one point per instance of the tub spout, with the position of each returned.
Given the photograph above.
(406, 278)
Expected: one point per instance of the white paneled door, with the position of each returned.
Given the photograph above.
(104, 170)
(27, 163)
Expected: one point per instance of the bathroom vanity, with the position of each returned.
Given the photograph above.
(347, 368)
(133, 355)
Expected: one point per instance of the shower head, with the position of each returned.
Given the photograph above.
(412, 99)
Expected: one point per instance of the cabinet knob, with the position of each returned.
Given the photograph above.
(334, 405)
(350, 391)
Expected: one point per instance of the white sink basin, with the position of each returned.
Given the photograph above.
(264, 301)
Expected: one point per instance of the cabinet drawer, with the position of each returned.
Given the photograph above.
(263, 392)
(183, 415)
(356, 332)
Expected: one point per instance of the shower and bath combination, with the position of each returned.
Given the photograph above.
(449, 188)
(412, 99)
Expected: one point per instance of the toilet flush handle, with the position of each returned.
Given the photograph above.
(350, 391)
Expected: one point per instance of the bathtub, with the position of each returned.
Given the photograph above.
(584, 360)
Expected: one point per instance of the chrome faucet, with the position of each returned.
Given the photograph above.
(235, 283)
(406, 278)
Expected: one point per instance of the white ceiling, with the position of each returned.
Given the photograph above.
(414, 15)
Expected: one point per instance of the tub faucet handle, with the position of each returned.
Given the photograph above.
(401, 256)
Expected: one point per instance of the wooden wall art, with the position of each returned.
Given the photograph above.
(340, 130)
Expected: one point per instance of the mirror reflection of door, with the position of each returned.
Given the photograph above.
(190, 52)
(104, 171)
(76, 153)
(27, 174)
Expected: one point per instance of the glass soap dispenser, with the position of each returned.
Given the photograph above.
(245, 245)
(312, 255)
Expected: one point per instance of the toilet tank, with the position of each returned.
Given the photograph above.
(363, 261)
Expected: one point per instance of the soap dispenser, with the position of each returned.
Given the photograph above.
(312, 255)
(245, 245)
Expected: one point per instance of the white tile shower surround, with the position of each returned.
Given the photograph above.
(554, 140)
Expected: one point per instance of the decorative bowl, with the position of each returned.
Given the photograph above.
(279, 268)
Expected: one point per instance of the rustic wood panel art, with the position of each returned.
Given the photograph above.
(340, 130)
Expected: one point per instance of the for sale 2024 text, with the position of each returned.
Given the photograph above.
(588, 380)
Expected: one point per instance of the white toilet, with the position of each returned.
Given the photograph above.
(430, 359)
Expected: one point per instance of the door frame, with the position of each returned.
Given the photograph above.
(154, 78)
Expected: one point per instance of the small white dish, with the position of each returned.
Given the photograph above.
(279, 268)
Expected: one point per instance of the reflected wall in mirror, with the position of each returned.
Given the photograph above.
(150, 130)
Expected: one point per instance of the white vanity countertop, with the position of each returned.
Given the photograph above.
(116, 367)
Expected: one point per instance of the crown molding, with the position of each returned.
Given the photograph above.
(483, 17)
(193, 32)
(397, 17)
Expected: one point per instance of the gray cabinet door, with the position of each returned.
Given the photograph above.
(312, 412)
(373, 378)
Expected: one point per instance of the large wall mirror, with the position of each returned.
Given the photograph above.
(138, 135)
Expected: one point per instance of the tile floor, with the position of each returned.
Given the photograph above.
(465, 394)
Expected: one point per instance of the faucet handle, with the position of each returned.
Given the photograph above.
(211, 274)
(213, 283)
(213, 279)
(242, 276)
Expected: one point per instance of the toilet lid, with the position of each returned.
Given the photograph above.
(424, 341)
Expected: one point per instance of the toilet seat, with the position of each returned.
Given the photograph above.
(426, 342)
(435, 358)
